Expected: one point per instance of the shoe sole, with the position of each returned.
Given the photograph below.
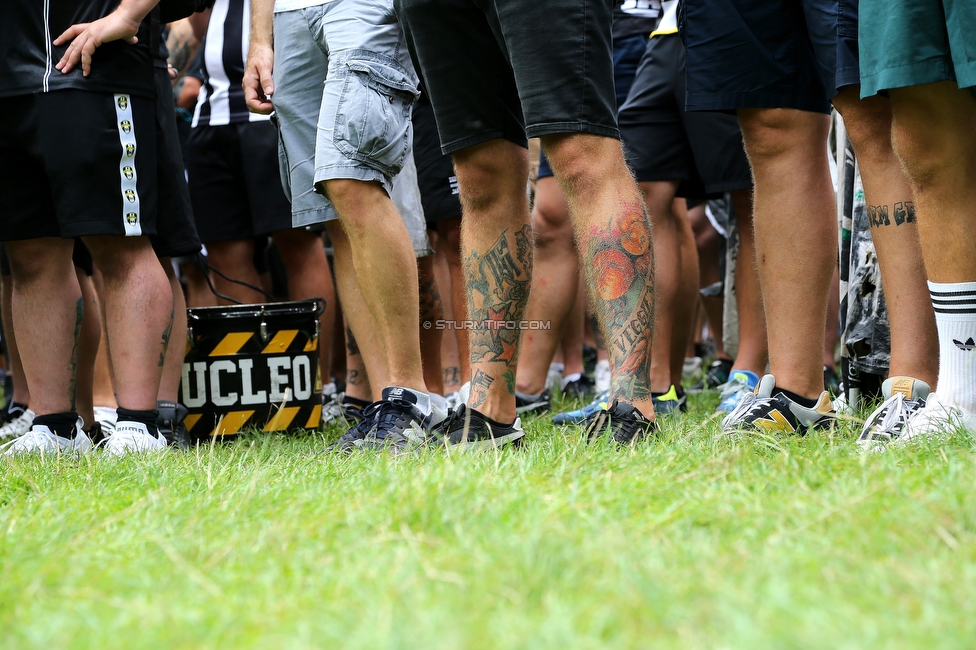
(499, 441)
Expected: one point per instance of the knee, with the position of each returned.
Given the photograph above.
(33, 259)
(354, 200)
(300, 249)
(490, 174)
(770, 133)
(118, 258)
(582, 160)
(868, 124)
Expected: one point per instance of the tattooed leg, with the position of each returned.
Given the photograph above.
(891, 217)
(497, 244)
(431, 313)
(45, 308)
(614, 235)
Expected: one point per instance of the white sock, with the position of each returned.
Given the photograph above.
(422, 399)
(955, 319)
(568, 379)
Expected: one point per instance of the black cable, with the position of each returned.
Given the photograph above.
(205, 266)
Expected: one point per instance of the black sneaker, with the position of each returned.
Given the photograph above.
(355, 437)
(468, 429)
(624, 422)
(716, 375)
(170, 424)
(583, 388)
(538, 404)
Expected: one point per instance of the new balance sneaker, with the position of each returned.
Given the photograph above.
(532, 403)
(355, 438)
(466, 428)
(716, 375)
(398, 426)
(601, 376)
(740, 384)
(903, 397)
(935, 419)
(772, 411)
(41, 440)
(670, 403)
(579, 416)
(578, 386)
(133, 438)
(17, 426)
(623, 422)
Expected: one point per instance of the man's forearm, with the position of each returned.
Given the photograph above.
(262, 16)
(136, 10)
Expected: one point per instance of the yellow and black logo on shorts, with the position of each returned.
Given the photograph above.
(130, 151)
(126, 126)
(132, 218)
(128, 172)
(130, 195)
(123, 102)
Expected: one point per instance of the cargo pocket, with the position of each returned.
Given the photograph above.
(373, 114)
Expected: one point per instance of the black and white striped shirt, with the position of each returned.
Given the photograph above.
(221, 99)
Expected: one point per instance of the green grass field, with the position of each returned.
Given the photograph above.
(689, 540)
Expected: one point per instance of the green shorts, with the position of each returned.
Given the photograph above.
(912, 42)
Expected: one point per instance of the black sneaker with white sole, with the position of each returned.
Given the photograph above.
(769, 410)
(623, 422)
(467, 428)
(532, 404)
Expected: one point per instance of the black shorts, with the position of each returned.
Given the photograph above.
(235, 186)
(560, 53)
(177, 233)
(627, 54)
(435, 171)
(769, 53)
(665, 142)
(75, 163)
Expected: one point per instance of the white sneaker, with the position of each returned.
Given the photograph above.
(133, 438)
(904, 396)
(41, 440)
(18, 426)
(601, 376)
(332, 409)
(937, 419)
(107, 417)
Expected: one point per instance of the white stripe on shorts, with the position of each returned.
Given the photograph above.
(131, 217)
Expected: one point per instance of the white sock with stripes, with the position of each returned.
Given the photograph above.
(955, 319)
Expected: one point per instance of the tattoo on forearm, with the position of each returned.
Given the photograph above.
(619, 263)
(901, 212)
(497, 284)
(73, 362)
(479, 388)
(182, 45)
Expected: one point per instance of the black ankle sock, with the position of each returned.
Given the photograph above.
(496, 423)
(802, 401)
(142, 417)
(61, 424)
(355, 401)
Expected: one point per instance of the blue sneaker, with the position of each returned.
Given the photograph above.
(579, 416)
(740, 384)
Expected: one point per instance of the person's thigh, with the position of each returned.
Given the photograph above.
(217, 185)
(750, 54)
(655, 143)
(562, 57)
(269, 208)
(470, 83)
(627, 54)
(832, 30)
(364, 128)
(176, 230)
(26, 203)
(911, 43)
(102, 176)
(300, 69)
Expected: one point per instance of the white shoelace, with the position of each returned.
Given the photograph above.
(891, 417)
